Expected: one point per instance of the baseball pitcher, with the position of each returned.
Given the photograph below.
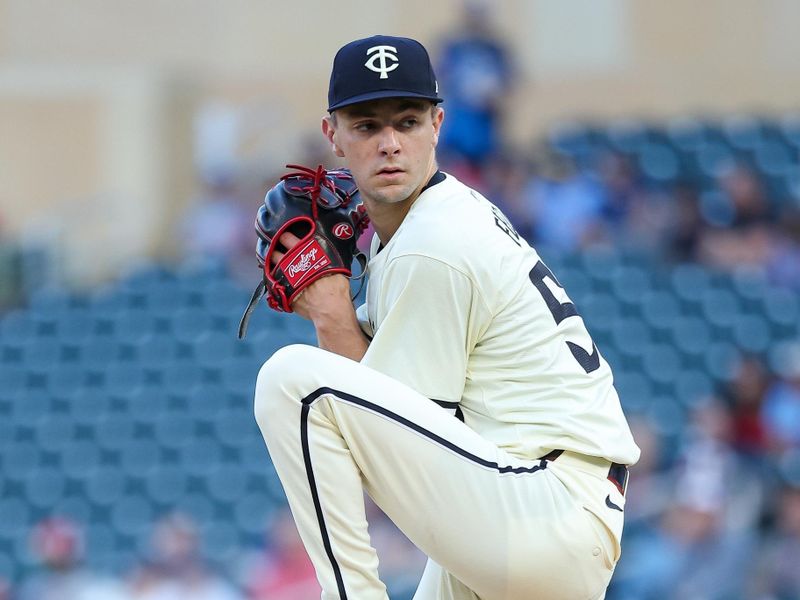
(465, 396)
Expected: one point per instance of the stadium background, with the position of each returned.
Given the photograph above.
(651, 151)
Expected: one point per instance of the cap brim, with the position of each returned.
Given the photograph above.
(377, 95)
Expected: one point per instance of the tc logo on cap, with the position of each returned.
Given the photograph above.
(382, 54)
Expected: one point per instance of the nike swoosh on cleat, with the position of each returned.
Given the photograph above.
(610, 504)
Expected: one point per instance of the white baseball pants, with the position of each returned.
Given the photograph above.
(495, 527)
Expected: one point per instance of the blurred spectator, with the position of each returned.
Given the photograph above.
(474, 72)
(683, 239)
(783, 263)
(777, 576)
(218, 224)
(175, 570)
(283, 571)
(629, 214)
(702, 545)
(58, 544)
(566, 205)
(745, 395)
(743, 234)
(781, 410)
(505, 183)
(620, 188)
(650, 479)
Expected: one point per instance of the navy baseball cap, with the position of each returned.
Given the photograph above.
(381, 66)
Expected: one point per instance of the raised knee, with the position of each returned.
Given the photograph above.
(277, 379)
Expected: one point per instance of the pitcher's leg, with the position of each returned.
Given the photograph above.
(505, 528)
(438, 584)
(324, 489)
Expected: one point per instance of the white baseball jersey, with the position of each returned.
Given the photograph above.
(464, 311)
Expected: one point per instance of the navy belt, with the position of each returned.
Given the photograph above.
(617, 472)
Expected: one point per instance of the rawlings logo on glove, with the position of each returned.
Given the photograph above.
(323, 209)
(306, 261)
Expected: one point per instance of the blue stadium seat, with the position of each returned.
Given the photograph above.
(789, 129)
(782, 307)
(19, 459)
(12, 378)
(659, 308)
(197, 505)
(213, 348)
(774, 158)
(200, 456)
(630, 336)
(251, 513)
(134, 324)
(599, 264)
(692, 386)
(667, 416)
(599, 310)
(240, 377)
(189, 325)
(749, 284)
(166, 484)
(661, 362)
(41, 351)
(132, 515)
(634, 389)
(226, 298)
(573, 279)
(16, 514)
(627, 135)
(100, 542)
(89, 405)
(114, 431)
(720, 307)
(687, 134)
(44, 487)
(75, 327)
(138, 456)
(710, 159)
(572, 138)
(97, 351)
(658, 163)
(79, 458)
(179, 377)
(743, 132)
(221, 542)
(689, 282)
(17, 325)
(751, 332)
(720, 360)
(226, 484)
(123, 377)
(690, 335)
(630, 283)
(29, 409)
(54, 432)
(236, 427)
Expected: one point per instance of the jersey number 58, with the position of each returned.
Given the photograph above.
(561, 311)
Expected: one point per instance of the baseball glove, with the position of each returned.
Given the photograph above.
(323, 209)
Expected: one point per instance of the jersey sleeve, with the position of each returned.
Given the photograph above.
(362, 315)
(427, 314)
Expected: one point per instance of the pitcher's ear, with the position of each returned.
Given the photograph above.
(329, 131)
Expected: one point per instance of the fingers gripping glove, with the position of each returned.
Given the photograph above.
(323, 209)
